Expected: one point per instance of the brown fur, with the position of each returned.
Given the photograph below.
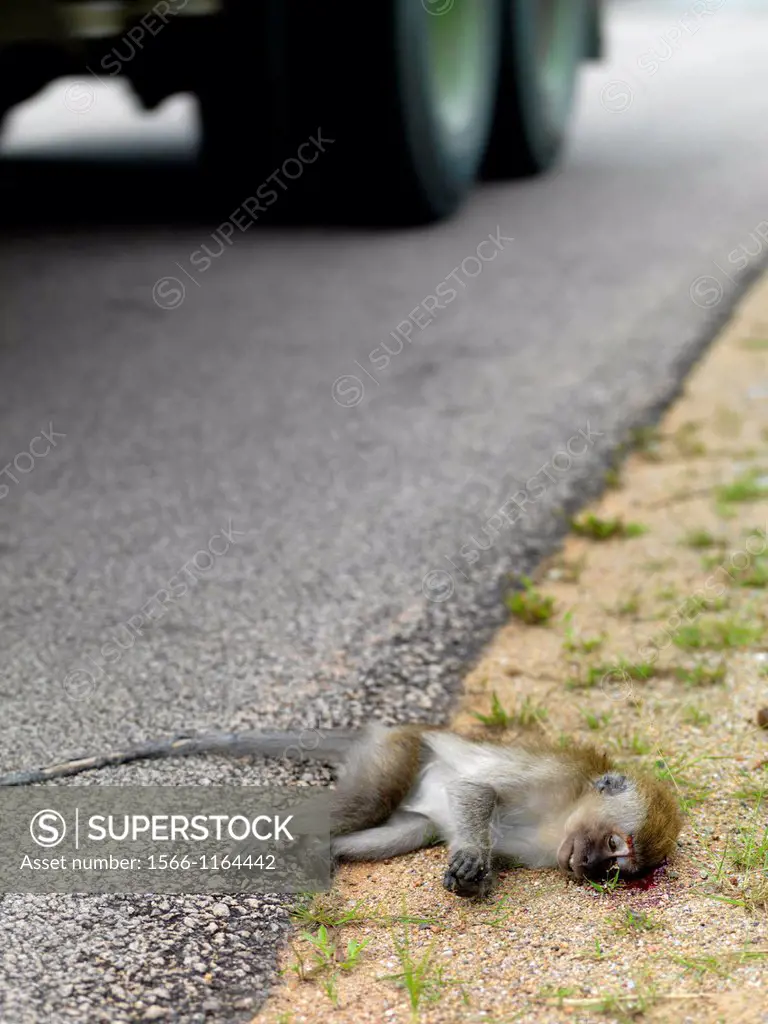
(657, 839)
(377, 788)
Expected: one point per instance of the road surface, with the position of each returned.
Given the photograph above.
(343, 515)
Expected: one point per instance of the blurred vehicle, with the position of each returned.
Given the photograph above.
(413, 99)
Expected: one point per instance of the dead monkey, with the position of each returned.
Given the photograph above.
(407, 787)
(404, 788)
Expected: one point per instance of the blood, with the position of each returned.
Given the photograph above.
(647, 881)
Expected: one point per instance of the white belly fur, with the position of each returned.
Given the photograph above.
(515, 831)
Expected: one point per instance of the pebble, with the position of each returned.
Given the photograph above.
(155, 1012)
(220, 910)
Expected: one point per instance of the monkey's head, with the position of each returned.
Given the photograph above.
(625, 824)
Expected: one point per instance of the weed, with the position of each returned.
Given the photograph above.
(630, 921)
(676, 771)
(420, 978)
(595, 722)
(567, 570)
(633, 670)
(687, 443)
(498, 718)
(327, 909)
(628, 608)
(612, 478)
(695, 716)
(702, 675)
(755, 344)
(700, 539)
(634, 744)
(559, 994)
(594, 674)
(701, 964)
(620, 1006)
(750, 486)
(529, 714)
(646, 442)
(721, 964)
(749, 851)
(529, 605)
(583, 645)
(754, 575)
(328, 960)
(717, 634)
(606, 529)
(610, 885)
(578, 644)
(751, 791)
(352, 954)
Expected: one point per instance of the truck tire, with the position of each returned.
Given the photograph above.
(543, 43)
(407, 102)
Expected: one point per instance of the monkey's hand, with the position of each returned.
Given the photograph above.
(469, 872)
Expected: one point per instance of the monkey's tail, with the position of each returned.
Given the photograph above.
(330, 746)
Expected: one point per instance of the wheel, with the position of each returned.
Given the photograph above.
(543, 43)
(405, 89)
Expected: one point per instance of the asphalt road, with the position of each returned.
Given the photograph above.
(241, 429)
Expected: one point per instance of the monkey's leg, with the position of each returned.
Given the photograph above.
(403, 833)
(377, 774)
(471, 807)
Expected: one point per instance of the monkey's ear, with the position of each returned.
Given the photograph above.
(612, 782)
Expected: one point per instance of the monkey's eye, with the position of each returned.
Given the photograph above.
(613, 843)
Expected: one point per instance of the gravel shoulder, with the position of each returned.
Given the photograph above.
(657, 650)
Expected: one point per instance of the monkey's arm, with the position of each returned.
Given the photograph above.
(332, 746)
(471, 806)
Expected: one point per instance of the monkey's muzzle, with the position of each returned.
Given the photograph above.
(580, 857)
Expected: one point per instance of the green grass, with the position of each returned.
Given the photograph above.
(702, 675)
(528, 715)
(749, 849)
(314, 911)
(498, 718)
(721, 964)
(421, 979)
(596, 721)
(634, 744)
(567, 571)
(630, 922)
(701, 539)
(747, 487)
(687, 443)
(328, 959)
(695, 716)
(646, 442)
(611, 883)
(606, 529)
(677, 771)
(755, 344)
(628, 609)
(717, 634)
(530, 605)
(577, 643)
(583, 644)
(752, 576)
(594, 674)
(612, 478)
(751, 790)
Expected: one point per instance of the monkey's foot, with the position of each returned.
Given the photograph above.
(468, 874)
